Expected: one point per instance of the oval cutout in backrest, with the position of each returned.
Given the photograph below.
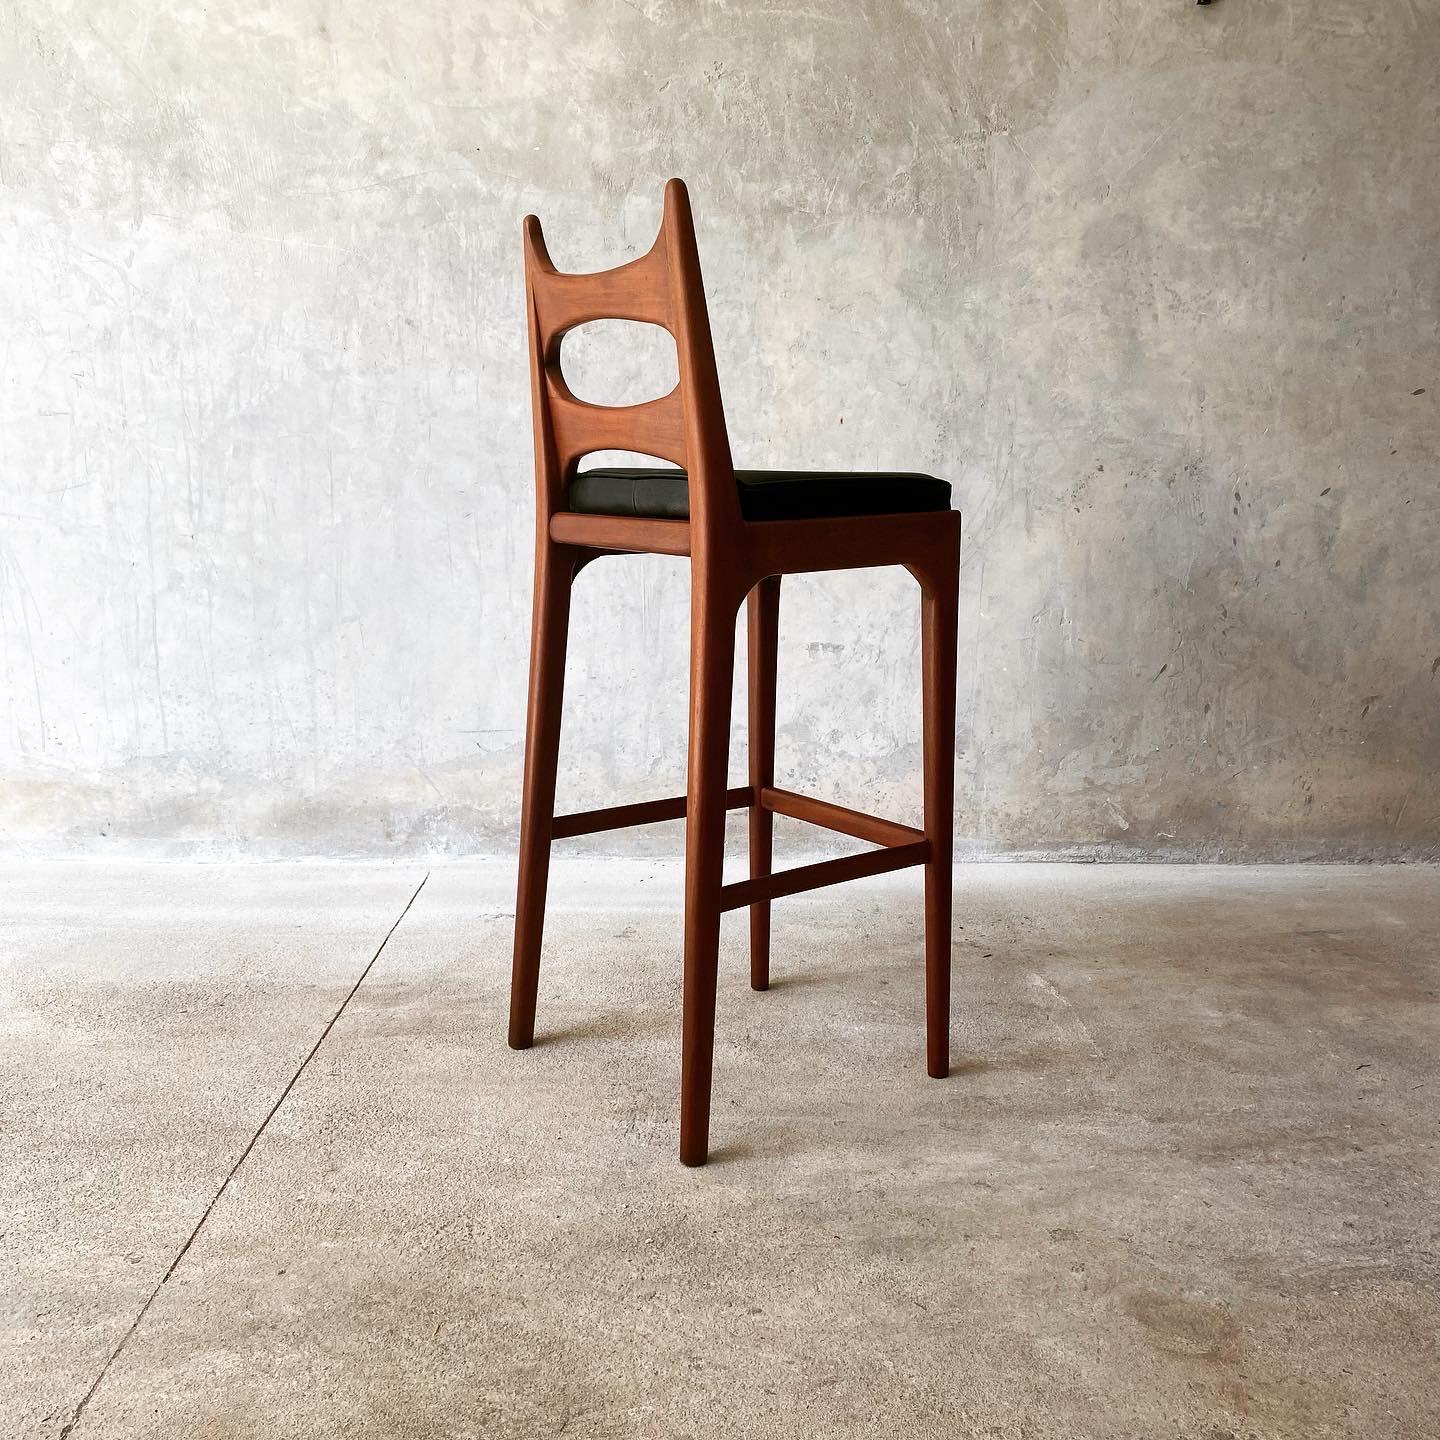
(619, 362)
(622, 460)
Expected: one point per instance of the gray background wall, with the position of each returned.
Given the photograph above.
(1155, 285)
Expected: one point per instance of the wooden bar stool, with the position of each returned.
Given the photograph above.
(742, 530)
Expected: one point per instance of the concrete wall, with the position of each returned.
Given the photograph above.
(1154, 284)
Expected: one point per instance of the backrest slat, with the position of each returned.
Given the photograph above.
(655, 427)
(637, 291)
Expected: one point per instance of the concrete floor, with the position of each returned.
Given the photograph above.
(1182, 1182)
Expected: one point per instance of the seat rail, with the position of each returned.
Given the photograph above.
(621, 532)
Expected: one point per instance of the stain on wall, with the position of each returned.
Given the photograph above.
(1155, 285)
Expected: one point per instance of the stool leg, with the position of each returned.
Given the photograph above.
(554, 575)
(764, 629)
(938, 623)
(712, 668)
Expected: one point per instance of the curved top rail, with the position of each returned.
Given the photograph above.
(637, 290)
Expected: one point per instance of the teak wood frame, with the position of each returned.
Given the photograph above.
(730, 559)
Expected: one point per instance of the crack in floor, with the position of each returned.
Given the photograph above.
(114, 1355)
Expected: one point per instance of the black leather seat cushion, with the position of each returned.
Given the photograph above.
(764, 494)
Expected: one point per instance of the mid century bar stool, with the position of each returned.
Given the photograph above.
(742, 530)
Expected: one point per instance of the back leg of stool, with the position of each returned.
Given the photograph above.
(712, 666)
(555, 568)
(938, 626)
(764, 629)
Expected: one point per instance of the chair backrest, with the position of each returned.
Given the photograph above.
(687, 427)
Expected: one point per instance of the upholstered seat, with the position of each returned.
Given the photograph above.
(764, 494)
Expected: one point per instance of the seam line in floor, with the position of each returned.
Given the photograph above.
(244, 1155)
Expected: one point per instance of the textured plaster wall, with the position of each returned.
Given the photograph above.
(1155, 285)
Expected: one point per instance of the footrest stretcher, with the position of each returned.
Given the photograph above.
(824, 872)
(645, 812)
(901, 845)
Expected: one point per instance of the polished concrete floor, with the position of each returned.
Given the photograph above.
(1183, 1182)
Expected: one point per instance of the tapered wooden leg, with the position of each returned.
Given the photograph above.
(554, 574)
(764, 632)
(938, 643)
(712, 668)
